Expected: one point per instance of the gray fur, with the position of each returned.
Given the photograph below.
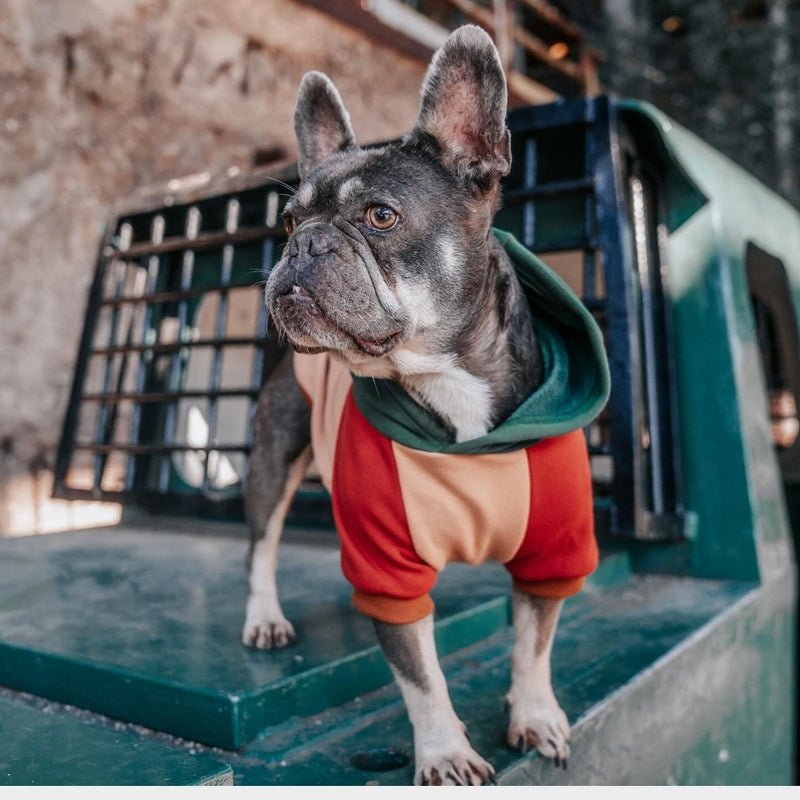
(321, 122)
(281, 431)
(400, 647)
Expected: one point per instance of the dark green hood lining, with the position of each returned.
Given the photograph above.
(576, 381)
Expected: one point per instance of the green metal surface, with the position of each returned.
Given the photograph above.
(50, 748)
(310, 710)
(731, 475)
(623, 634)
(638, 651)
(664, 677)
(606, 638)
(145, 627)
(715, 710)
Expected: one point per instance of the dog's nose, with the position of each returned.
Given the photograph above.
(313, 240)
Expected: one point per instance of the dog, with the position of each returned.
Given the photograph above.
(414, 338)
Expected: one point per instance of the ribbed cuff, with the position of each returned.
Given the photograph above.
(391, 609)
(554, 589)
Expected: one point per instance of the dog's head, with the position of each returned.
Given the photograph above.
(387, 247)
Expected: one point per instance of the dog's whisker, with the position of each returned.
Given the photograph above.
(285, 185)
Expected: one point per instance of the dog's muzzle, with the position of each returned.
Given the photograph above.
(322, 291)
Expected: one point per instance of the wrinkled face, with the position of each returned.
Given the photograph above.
(373, 262)
(388, 247)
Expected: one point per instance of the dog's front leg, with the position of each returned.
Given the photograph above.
(265, 625)
(442, 752)
(536, 717)
(280, 457)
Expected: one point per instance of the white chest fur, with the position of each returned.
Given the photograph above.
(460, 398)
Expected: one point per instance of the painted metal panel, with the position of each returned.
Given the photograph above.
(53, 748)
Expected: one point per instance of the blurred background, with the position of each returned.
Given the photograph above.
(104, 100)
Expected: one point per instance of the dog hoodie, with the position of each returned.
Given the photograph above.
(407, 499)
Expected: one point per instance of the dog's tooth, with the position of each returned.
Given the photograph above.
(296, 289)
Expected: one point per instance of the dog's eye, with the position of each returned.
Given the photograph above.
(289, 224)
(382, 218)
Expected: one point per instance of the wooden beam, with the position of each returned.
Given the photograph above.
(590, 82)
(475, 12)
(503, 27)
(536, 47)
(522, 91)
(552, 16)
(351, 13)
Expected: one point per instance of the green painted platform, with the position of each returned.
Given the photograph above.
(144, 626)
(51, 748)
(607, 637)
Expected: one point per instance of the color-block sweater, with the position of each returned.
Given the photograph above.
(407, 499)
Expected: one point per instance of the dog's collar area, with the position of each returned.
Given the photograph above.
(575, 388)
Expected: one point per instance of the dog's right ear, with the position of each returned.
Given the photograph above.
(463, 109)
(321, 122)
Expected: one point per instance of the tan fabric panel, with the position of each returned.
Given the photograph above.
(465, 508)
(327, 382)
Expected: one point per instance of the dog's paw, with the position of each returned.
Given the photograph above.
(265, 627)
(540, 724)
(268, 634)
(461, 767)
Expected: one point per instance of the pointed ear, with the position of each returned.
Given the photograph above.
(464, 101)
(321, 122)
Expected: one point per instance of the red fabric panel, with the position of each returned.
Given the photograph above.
(378, 557)
(559, 543)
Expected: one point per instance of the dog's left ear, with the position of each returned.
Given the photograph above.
(463, 108)
(321, 122)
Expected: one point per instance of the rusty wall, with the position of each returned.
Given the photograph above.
(99, 98)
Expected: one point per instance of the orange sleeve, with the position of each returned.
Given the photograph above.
(378, 557)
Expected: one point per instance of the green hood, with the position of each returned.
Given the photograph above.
(574, 390)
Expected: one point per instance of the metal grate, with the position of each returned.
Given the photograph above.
(173, 354)
(176, 343)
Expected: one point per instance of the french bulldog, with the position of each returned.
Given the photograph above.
(392, 272)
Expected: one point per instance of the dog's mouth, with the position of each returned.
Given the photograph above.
(380, 347)
(301, 318)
